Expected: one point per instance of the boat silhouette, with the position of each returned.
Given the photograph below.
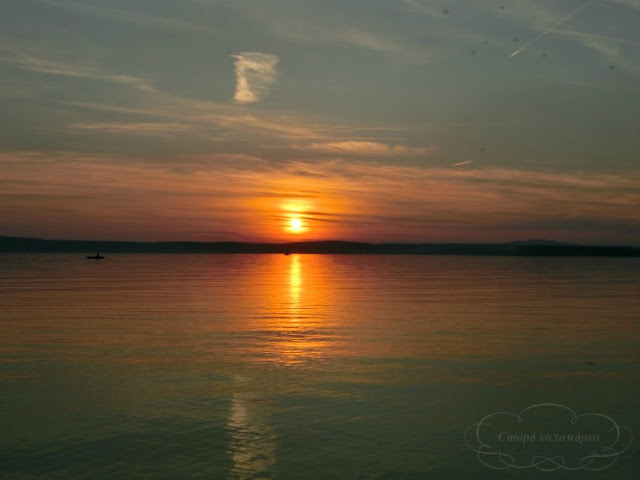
(97, 256)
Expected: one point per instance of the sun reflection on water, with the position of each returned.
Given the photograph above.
(301, 337)
(289, 331)
(252, 445)
(295, 286)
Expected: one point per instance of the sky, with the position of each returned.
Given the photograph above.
(290, 120)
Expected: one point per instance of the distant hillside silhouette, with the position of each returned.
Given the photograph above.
(516, 248)
(539, 241)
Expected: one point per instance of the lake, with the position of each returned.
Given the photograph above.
(318, 367)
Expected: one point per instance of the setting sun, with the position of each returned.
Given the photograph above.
(295, 225)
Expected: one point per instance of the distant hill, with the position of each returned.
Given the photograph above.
(517, 248)
(538, 242)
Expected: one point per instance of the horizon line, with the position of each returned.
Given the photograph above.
(529, 241)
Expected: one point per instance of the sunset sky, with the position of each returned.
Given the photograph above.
(371, 120)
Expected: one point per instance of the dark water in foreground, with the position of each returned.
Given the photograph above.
(318, 367)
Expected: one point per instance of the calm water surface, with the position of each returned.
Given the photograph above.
(308, 366)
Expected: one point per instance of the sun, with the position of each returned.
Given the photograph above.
(296, 225)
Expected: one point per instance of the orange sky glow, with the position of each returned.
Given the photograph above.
(333, 199)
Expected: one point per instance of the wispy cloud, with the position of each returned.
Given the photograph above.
(67, 69)
(321, 24)
(128, 16)
(161, 109)
(363, 147)
(137, 128)
(255, 73)
(423, 8)
(539, 18)
(628, 3)
(608, 48)
(385, 46)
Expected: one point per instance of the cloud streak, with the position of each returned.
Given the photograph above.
(54, 67)
(141, 128)
(366, 148)
(255, 73)
(128, 16)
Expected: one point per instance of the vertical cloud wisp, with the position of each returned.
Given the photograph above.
(255, 73)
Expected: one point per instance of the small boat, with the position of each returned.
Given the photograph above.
(97, 256)
(287, 253)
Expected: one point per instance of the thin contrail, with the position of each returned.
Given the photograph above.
(552, 28)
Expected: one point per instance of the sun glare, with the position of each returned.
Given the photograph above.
(295, 225)
(295, 219)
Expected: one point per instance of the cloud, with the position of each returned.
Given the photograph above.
(128, 16)
(320, 24)
(255, 73)
(382, 45)
(423, 9)
(159, 110)
(362, 147)
(609, 48)
(55, 67)
(538, 19)
(628, 3)
(210, 116)
(138, 128)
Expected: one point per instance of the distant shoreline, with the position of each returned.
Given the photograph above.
(530, 248)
